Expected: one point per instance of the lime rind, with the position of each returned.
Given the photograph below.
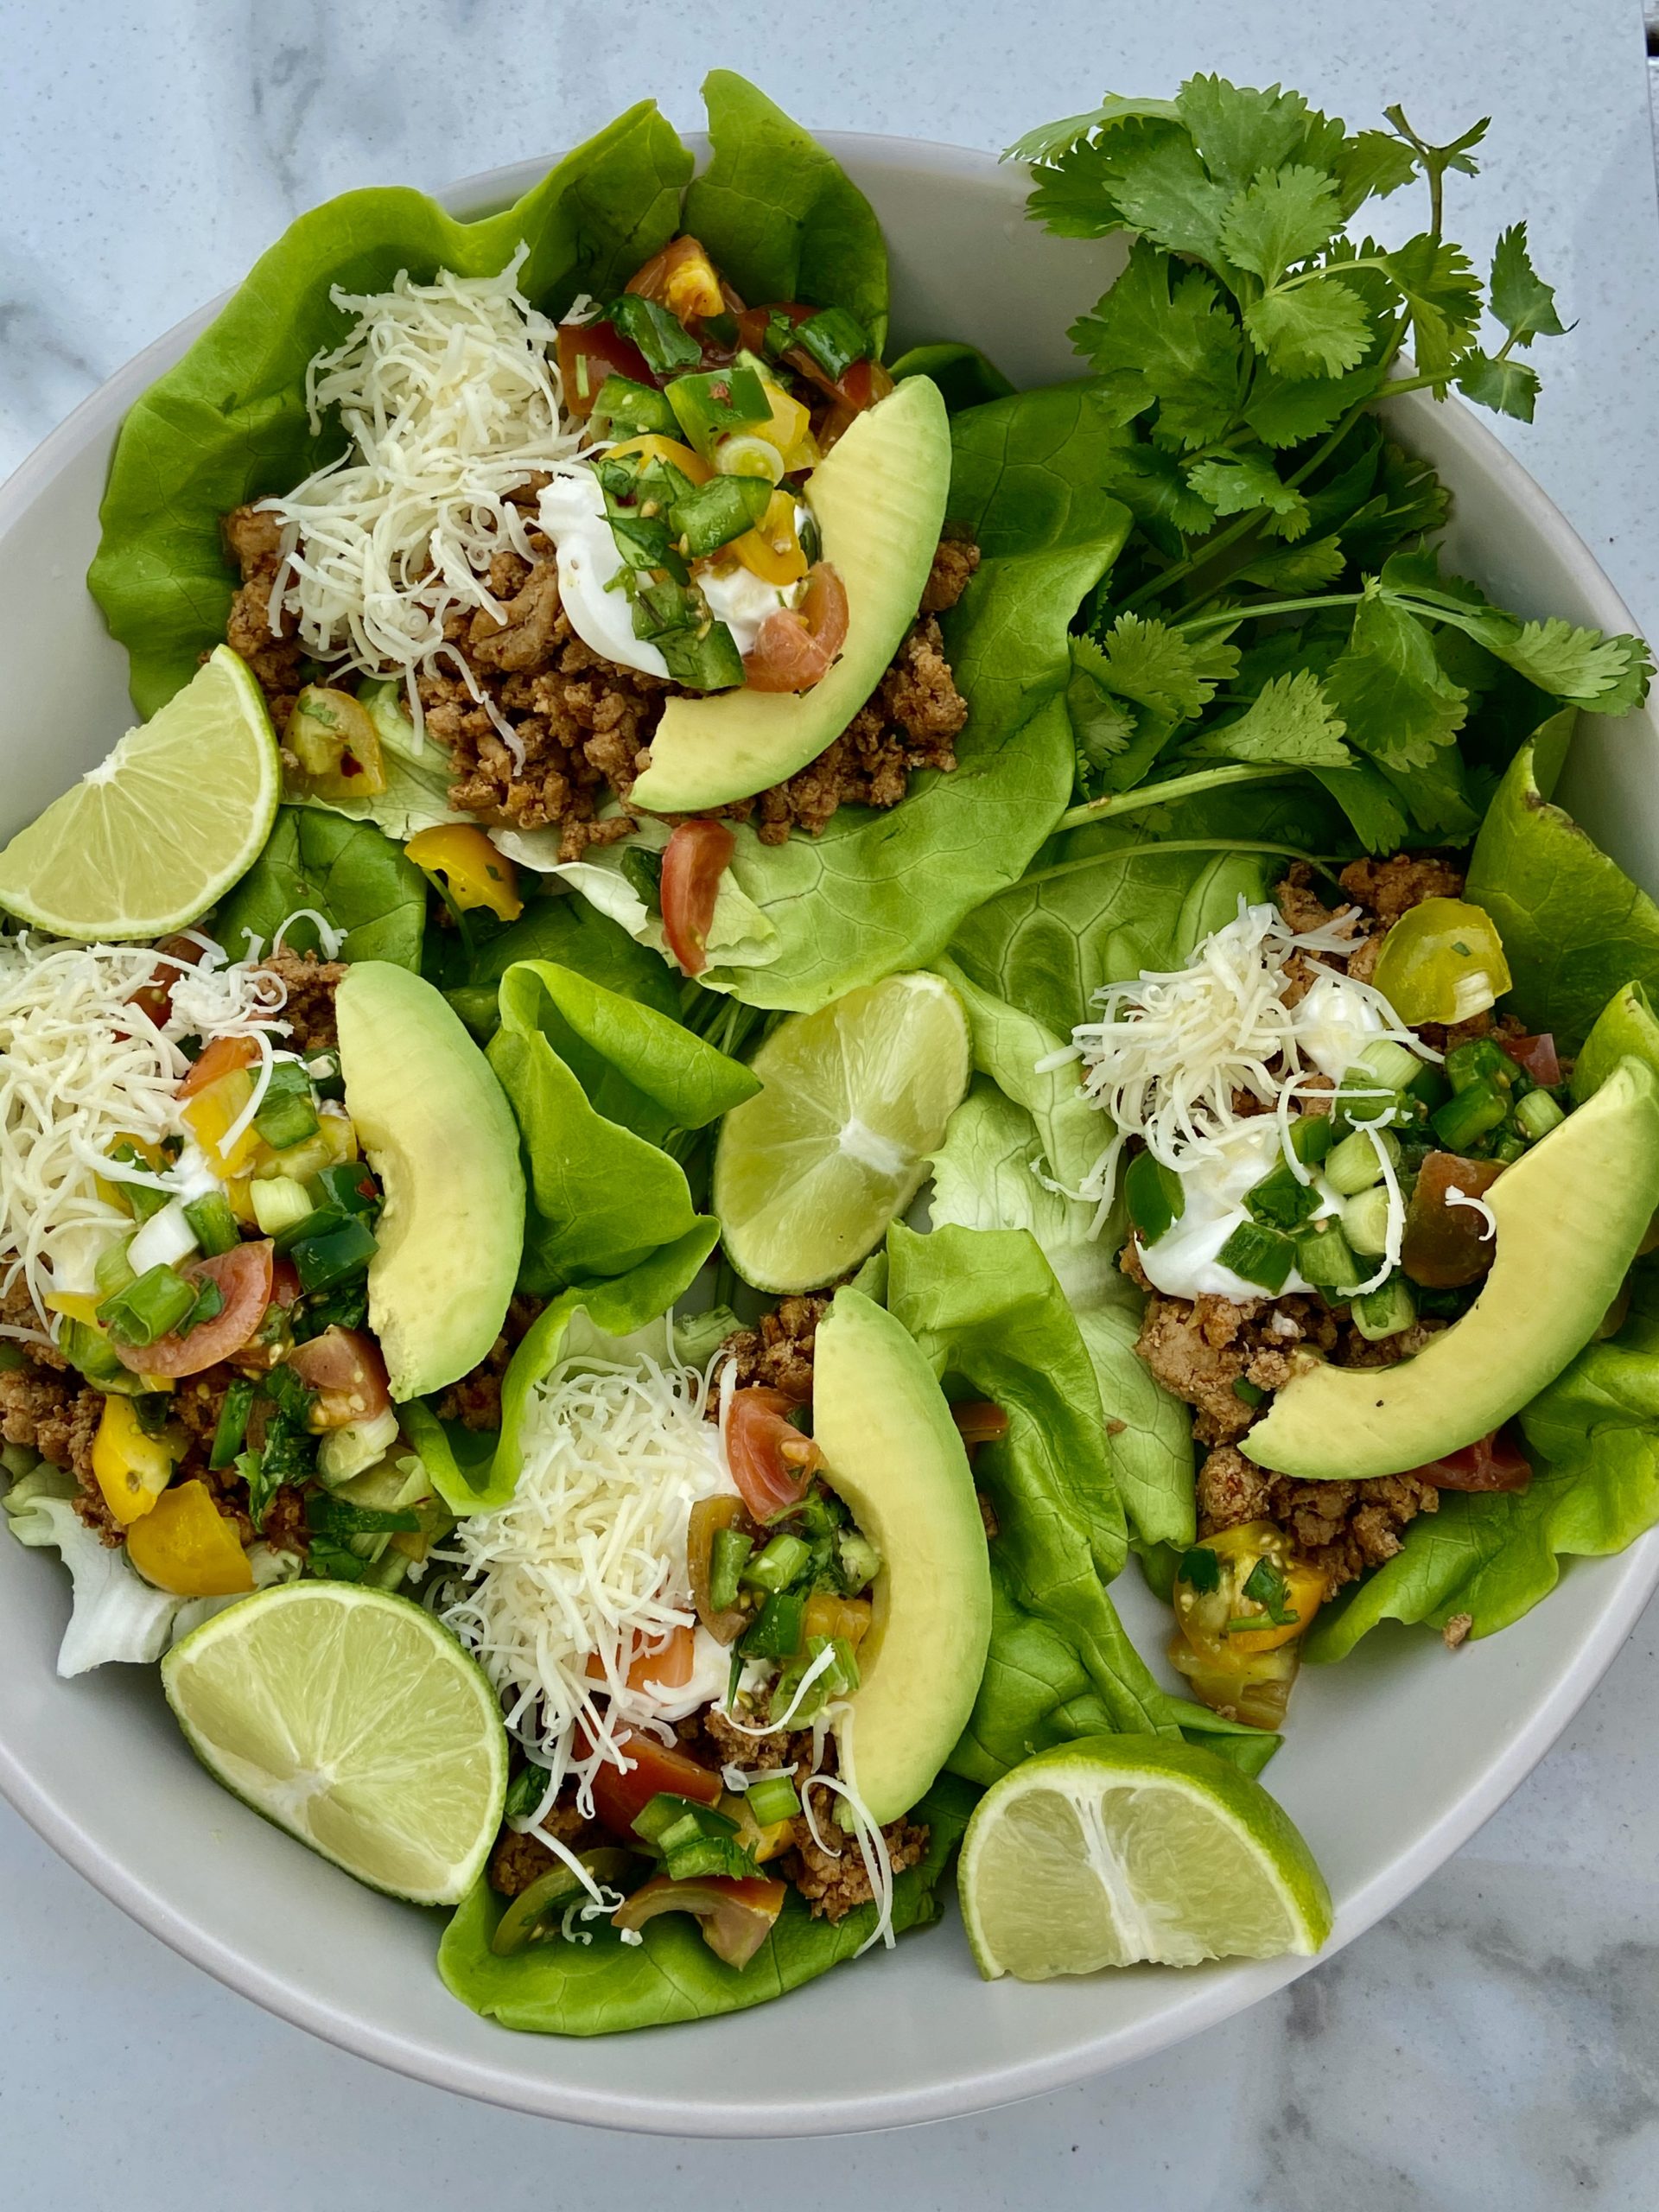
(147, 840)
(348, 1717)
(1125, 1850)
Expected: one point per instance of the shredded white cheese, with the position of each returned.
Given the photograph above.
(81, 1068)
(450, 398)
(1454, 1197)
(586, 1567)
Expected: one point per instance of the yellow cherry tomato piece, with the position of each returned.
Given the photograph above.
(211, 1113)
(649, 447)
(330, 735)
(786, 427)
(185, 1545)
(132, 1467)
(772, 549)
(475, 872)
(1442, 962)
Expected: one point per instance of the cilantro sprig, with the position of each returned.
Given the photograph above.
(1274, 609)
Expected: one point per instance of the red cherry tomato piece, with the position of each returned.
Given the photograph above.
(244, 1281)
(796, 647)
(224, 1055)
(698, 855)
(772, 1464)
(590, 352)
(654, 1768)
(1493, 1462)
(344, 1368)
(1538, 1055)
(155, 997)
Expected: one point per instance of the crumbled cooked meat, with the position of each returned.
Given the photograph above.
(954, 564)
(582, 726)
(835, 1884)
(520, 1859)
(252, 541)
(1456, 1630)
(49, 1410)
(779, 1354)
(18, 1311)
(1201, 1349)
(1392, 887)
(992, 1526)
(309, 1009)
(476, 1401)
(1299, 903)
(1341, 1526)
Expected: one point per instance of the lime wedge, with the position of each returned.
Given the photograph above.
(147, 841)
(350, 1719)
(835, 1145)
(1120, 1849)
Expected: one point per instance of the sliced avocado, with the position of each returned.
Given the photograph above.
(1626, 1028)
(1570, 1215)
(440, 1135)
(878, 497)
(891, 1449)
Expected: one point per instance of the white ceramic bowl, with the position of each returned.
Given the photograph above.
(1394, 1758)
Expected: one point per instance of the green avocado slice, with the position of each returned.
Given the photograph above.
(878, 497)
(440, 1135)
(1570, 1215)
(892, 1451)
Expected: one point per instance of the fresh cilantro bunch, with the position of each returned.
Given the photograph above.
(1274, 608)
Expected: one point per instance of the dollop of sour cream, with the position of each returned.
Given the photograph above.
(1185, 1262)
(571, 511)
(1335, 1022)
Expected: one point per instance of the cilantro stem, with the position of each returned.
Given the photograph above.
(1168, 845)
(1203, 779)
(1234, 615)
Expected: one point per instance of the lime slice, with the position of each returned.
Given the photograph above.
(350, 1719)
(1121, 1849)
(147, 841)
(809, 1172)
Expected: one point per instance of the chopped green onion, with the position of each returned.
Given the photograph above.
(1155, 1195)
(1385, 1311)
(1508, 1147)
(665, 343)
(1429, 1088)
(1311, 1137)
(859, 1560)
(834, 341)
(150, 1307)
(1324, 1257)
(1365, 1220)
(1466, 1065)
(1281, 1199)
(778, 1565)
(142, 1200)
(230, 1431)
(112, 1270)
(776, 1631)
(278, 1203)
(1354, 1165)
(90, 1350)
(773, 1798)
(213, 1222)
(1366, 1105)
(1391, 1063)
(1261, 1255)
(1538, 1113)
(1475, 1111)
(323, 1071)
(730, 1548)
(322, 1261)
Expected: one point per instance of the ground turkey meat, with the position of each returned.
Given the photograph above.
(1343, 1527)
(584, 725)
(309, 1009)
(778, 1353)
(835, 1884)
(476, 1401)
(520, 1859)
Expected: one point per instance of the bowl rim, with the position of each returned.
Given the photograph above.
(1207, 1999)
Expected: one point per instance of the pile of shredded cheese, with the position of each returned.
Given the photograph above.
(450, 395)
(586, 1567)
(81, 1068)
(1171, 1048)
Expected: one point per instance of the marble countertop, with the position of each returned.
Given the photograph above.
(1496, 2040)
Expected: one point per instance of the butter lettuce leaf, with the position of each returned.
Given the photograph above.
(228, 422)
(350, 873)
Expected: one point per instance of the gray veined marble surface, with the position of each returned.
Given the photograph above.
(1495, 2042)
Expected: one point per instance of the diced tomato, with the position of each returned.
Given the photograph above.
(590, 352)
(772, 1464)
(1494, 1462)
(796, 647)
(1446, 1245)
(155, 997)
(698, 855)
(668, 1668)
(863, 385)
(619, 1798)
(346, 1369)
(1538, 1055)
(284, 1283)
(978, 1422)
(223, 1056)
(244, 1281)
(737, 1917)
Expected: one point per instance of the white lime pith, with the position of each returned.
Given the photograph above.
(1123, 1849)
(350, 1717)
(162, 826)
(809, 1172)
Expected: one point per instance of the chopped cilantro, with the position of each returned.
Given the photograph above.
(1200, 1569)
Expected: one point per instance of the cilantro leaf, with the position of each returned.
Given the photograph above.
(1183, 346)
(1602, 675)
(1241, 483)
(1436, 794)
(1319, 329)
(1153, 486)
(1287, 216)
(1369, 166)
(1290, 721)
(1052, 140)
(1517, 296)
(1294, 569)
(1442, 296)
(1239, 132)
(1072, 198)
(1143, 659)
(1375, 815)
(1436, 160)
(1287, 411)
(1507, 387)
(1156, 176)
(1102, 725)
(1396, 701)
(1200, 1568)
